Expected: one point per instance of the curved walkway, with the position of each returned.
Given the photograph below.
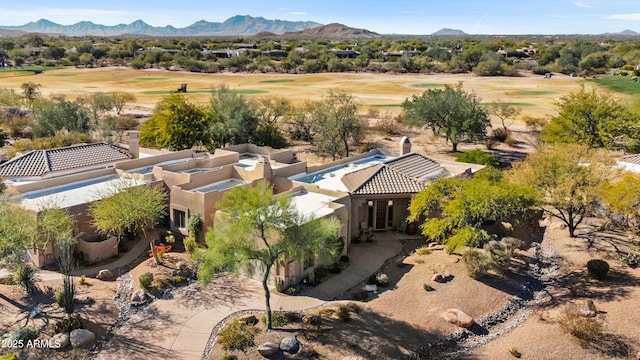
(179, 327)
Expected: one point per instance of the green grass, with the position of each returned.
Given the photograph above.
(150, 78)
(622, 84)
(23, 71)
(534, 92)
(515, 104)
(274, 81)
(240, 91)
(427, 85)
(62, 74)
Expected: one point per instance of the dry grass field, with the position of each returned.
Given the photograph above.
(532, 93)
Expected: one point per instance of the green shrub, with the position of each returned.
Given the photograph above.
(24, 333)
(60, 298)
(281, 318)
(68, 323)
(477, 156)
(343, 313)
(476, 263)
(26, 276)
(229, 357)
(630, 259)
(515, 353)
(427, 287)
(511, 142)
(191, 245)
(237, 335)
(382, 280)
(584, 329)
(10, 356)
(423, 250)
(145, 280)
(597, 269)
(82, 280)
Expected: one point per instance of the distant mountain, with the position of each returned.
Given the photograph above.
(449, 32)
(623, 33)
(335, 31)
(11, 33)
(237, 25)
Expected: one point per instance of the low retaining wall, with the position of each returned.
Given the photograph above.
(98, 251)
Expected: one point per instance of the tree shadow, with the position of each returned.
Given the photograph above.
(507, 157)
(222, 290)
(613, 345)
(128, 347)
(617, 285)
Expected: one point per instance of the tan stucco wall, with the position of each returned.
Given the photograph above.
(98, 251)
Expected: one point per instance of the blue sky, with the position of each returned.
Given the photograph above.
(386, 17)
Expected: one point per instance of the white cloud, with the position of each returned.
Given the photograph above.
(582, 5)
(299, 13)
(632, 17)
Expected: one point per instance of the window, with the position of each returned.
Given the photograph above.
(390, 213)
(179, 218)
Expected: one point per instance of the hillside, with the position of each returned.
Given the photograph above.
(334, 31)
(237, 25)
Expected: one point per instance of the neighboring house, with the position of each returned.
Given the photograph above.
(346, 54)
(630, 162)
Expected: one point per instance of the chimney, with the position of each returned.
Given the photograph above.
(405, 146)
(134, 144)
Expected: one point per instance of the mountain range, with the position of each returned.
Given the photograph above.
(236, 25)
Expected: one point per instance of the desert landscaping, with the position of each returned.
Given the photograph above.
(522, 312)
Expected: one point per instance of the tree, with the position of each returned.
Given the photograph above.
(334, 118)
(270, 110)
(30, 92)
(17, 231)
(130, 209)
(98, 104)
(176, 124)
(592, 119)
(233, 119)
(59, 113)
(466, 205)
(450, 112)
(504, 112)
(566, 178)
(256, 227)
(621, 198)
(119, 99)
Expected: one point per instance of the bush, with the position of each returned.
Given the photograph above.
(344, 313)
(584, 329)
(281, 318)
(501, 134)
(26, 276)
(69, 323)
(424, 250)
(597, 269)
(511, 142)
(25, 334)
(229, 357)
(427, 287)
(145, 280)
(382, 280)
(630, 259)
(360, 295)
(477, 156)
(237, 335)
(10, 356)
(60, 298)
(476, 263)
(82, 280)
(515, 353)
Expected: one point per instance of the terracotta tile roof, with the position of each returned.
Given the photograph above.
(41, 162)
(632, 159)
(407, 174)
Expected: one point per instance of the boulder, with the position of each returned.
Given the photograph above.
(139, 296)
(60, 341)
(290, 345)
(82, 338)
(84, 300)
(437, 277)
(104, 274)
(458, 318)
(271, 351)
(182, 266)
(249, 319)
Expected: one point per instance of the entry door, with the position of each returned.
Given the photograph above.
(381, 215)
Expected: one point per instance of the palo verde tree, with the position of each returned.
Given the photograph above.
(133, 209)
(255, 227)
(450, 112)
(176, 124)
(17, 231)
(595, 120)
(567, 178)
(336, 123)
(621, 198)
(466, 205)
(232, 118)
